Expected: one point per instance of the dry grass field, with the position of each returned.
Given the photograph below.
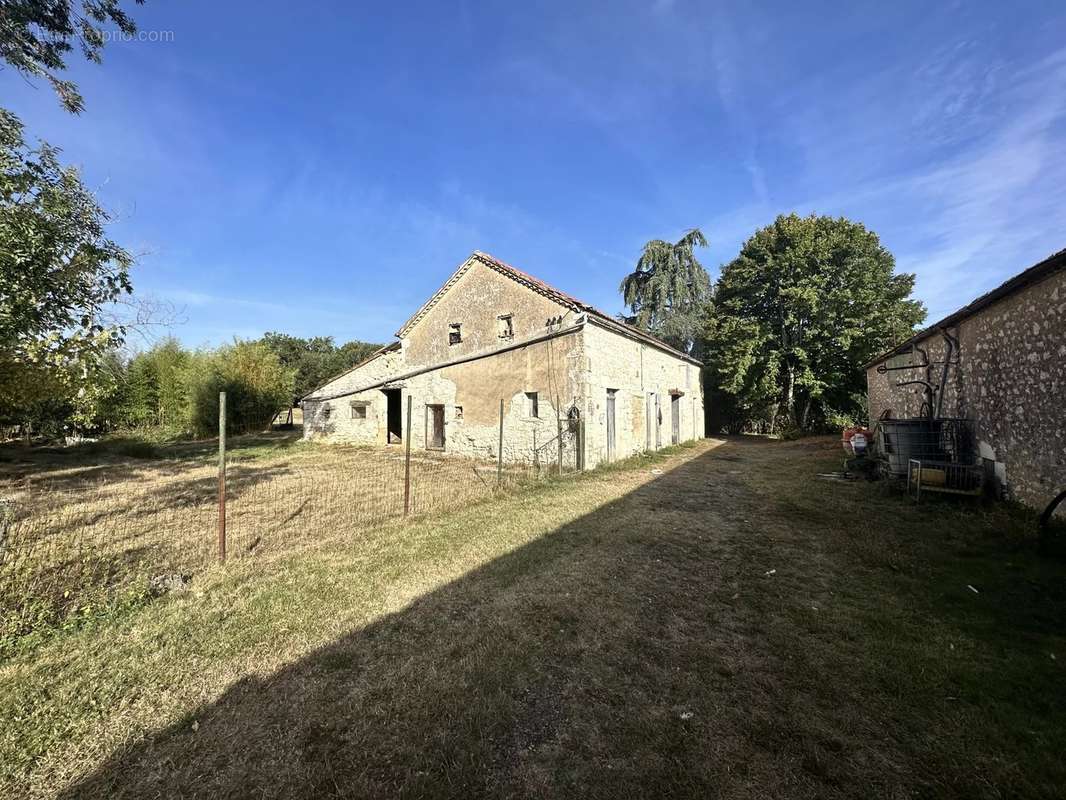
(87, 522)
(707, 622)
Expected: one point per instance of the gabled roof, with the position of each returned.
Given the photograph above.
(542, 288)
(1034, 274)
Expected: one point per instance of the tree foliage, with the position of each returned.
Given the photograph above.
(36, 36)
(805, 304)
(256, 384)
(668, 292)
(153, 394)
(58, 274)
(317, 359)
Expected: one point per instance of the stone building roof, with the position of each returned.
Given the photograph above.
(592, 313)
(1034, 274)
(540, 287)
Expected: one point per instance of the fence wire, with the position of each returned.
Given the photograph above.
(67, 543)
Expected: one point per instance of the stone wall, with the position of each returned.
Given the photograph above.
(638, 374)
(567, 361)
(476, 301)
(1010, 379)
(471, 393)
(332, 418)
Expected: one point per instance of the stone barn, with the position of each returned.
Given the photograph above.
(1006, 370)
(564, 371)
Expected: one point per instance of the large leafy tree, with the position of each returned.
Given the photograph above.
(668, 292)
(807, 302)
(58, 273)
(317, 359)
(36, 36)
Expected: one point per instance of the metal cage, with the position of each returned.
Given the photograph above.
(943, 439)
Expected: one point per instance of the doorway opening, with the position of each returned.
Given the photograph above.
(393, 416)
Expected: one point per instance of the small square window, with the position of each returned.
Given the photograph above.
(455, 333)
(458, 412)
(534, 404)
(505, 324)
(326, 412)
(358, 410)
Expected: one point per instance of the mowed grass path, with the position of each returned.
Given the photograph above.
(729, 628)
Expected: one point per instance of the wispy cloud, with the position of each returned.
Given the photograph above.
(956, 158)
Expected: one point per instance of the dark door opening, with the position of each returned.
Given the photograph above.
(610, 424)
(435, 427)
(675, 419)
(393, 416)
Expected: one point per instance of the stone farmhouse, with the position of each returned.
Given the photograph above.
(1006, 370)
(575, 383)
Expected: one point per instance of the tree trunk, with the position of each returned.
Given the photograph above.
(788, 400)
(806, 412)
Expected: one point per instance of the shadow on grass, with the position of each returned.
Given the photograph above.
(641, 650)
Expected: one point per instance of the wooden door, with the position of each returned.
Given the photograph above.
(649, 422)
(435, 425)
(610, 424)
(658, 422)
(675, 419)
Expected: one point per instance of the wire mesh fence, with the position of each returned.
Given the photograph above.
(75, 539)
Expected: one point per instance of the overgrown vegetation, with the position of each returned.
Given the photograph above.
(169, 391)
(60, 274)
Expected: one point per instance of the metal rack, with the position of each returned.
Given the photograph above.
(942, 439)
(946, 477)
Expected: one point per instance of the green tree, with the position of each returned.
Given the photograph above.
(807, 302)
(668, 292)
(348, 355)
(256, 383)
(155, 392)
(58, 273)
(317, 359)
(36, 36)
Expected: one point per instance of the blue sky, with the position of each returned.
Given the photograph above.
(320, 168)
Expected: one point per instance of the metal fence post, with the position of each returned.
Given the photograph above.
(221, 476)
(579, 456)
(499, 454)
(559, 437)
(407, 463)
